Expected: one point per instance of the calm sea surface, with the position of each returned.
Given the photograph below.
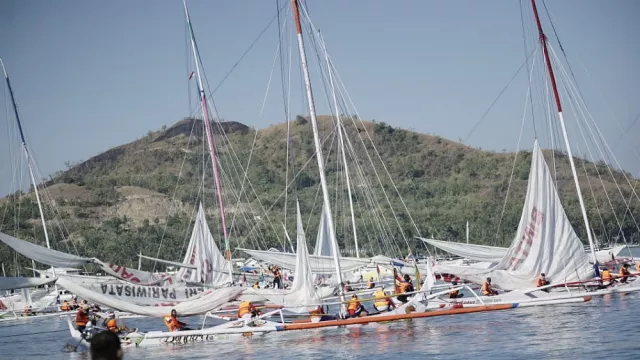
(603, 328)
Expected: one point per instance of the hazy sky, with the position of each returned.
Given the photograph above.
(90, 75)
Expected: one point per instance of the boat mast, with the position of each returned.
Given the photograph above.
(543, 40)
(210, 141)
(341, 143)
(27, 155)
(319, 157)
(467, 232)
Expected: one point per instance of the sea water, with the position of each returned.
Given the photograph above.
(606, 327)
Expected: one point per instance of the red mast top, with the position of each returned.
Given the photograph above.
(543, 39)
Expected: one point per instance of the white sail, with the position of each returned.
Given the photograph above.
(42, 254)
(319, 264)
(206, 301)
(9, 282)
(202, 252)
(545, 242)
(168, 262)
(323, 239)
(469, 251)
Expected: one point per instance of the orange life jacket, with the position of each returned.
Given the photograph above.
(276, 273)
(486, 288)
(82, 318)
(65, 306)
(354, 304)
(405, 286)
(381, 299)
(111, 325)
(541, 281)
(245, 308)
(172, 323)
(453, 293)
(606, 275)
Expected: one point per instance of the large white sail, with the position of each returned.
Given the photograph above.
(469, 251)
(545, 242)
(202, 252)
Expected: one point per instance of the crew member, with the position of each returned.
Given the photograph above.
(542, 281)
(110, 322)
(454, 294)
(606, 277)
(406, 286)
(256, 285)
(277, 278)
(487, 290)
(371, 284)
(624, 273)
(74, 303)
(247, 311)
(65, 306)
(347, 286)
(638, 266)
(27, 310)
(173, 323)
(82, 318)
(382, 302)
(355, 307)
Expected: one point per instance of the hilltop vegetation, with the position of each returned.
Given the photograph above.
(141, 196)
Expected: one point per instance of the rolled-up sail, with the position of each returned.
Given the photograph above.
(469, 251)
(201, 303)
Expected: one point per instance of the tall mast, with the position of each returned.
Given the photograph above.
(341, 142)
(543, 40)
(26, 154)
(210, 141)
(467, 232)
(319, 157)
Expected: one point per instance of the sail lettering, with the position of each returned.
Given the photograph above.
(524, 245)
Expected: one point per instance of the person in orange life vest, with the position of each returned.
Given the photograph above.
(371, 284)
(355, 308)
(65, 306)
(110, 323)
(247, 311)
(406, 286)
(454, 294)
(487, 290)
(542, 281)
(173, 323)
(624, 273)
(606, 277)
(82, 318)
(382, 302)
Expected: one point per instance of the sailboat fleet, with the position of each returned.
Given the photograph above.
(205, 283)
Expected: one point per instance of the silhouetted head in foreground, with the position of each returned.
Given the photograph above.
(106, 346)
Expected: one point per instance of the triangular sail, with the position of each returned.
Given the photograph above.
(545, 241)
(323, 239)
(212, 268)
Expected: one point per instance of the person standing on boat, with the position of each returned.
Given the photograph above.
(371, 284)
(606, 277)
(624, 273)
(82, 318)
(173, 323)
(277, 278)
(382, 302)
(454, 294)
(487, 290)
(406, 286)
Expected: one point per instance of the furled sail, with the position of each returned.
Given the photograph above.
(545, 242)
(9, 282)
(469, 251)
(206, 301)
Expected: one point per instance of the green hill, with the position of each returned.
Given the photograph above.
(140, 197)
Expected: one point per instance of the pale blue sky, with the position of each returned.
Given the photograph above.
(90, 75)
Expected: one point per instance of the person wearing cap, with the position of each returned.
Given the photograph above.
(487, 290)
(82, 318)
(454, 294)
(624, 273)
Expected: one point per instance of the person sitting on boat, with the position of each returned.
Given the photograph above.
(111, 324)
(318, 314)
(606, 277)
(382, 302)
(28, 310)
(347, 286)
(487, 290)
(173, 323)
(65, 306)
(74, 303)
(542, 281)
(624, 273)
(406, 286)
(454, 294)
(371, 284)
(82, 318)
(247, 311)
(355, 307)
(256, 285)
